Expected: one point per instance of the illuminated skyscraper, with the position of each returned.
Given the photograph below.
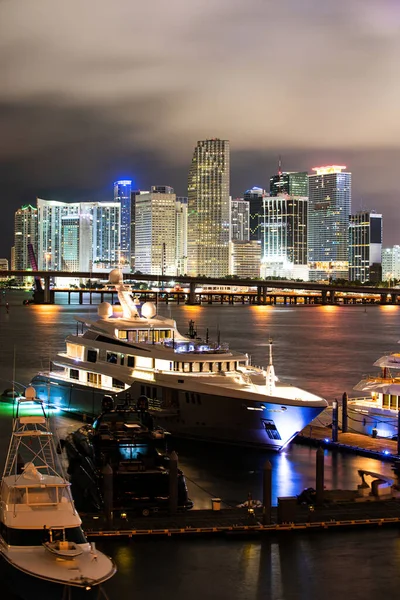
(391, 264)
(155, 233)
(122, 194)
(285, 241)
(208, 209)
(106, 234)
(292, 183)
(25, 232)
(328, 222)
(181, 235)
(239, 220)
(365, 247)
(255, 196)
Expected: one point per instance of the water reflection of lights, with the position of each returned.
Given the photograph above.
(125, 559)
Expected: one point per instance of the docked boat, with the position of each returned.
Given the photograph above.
(376, 413)
(124, 438)
(43, 547)
(194, 388)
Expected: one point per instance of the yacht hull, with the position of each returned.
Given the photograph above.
(269, 423)
(26, 585)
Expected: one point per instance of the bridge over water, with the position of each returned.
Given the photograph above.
(327, 292)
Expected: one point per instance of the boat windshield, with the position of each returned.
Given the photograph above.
(197, 347)
(36, 537)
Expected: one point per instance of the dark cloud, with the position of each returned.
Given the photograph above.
(95, 90)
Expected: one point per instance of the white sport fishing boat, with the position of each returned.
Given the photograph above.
(377, 412)
(194, 388)
(42, 545)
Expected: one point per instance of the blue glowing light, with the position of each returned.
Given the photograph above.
(386, 452)
(123, 182)
(327, 440)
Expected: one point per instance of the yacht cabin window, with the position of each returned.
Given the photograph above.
(91, 355)
(116, 383)
(74, 374)
(112, 357)
(130, 361)
(122, 334)
(94, 378)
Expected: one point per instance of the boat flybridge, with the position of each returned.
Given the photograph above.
(377, 412)
(41, 540)
(194, 388)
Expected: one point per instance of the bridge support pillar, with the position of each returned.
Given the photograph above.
(48, 299)
(383, 299)
(259, 294)
(324, 297)
(332, 296)
(192, 293)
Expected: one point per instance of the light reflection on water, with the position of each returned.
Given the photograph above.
(325, 350)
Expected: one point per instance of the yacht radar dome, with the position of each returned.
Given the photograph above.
(115, 277)
(149, 310)
(104, 310)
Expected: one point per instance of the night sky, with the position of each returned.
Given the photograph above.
(95, 90)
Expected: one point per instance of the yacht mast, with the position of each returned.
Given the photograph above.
(270, 375)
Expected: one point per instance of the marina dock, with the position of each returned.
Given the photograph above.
(356, 443)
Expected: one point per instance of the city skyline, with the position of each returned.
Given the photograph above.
(80, 113)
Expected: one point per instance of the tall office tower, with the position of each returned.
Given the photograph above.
(106, 234)
(122, 194)
(181, 235)
(134, 194)
(329, 209)
(208, 209)
(288, 182)
(239, 220)
(285, 241)
(25, 232)
(73, 236)
(155, 233)
(365, 247)
(245, 258)
(391, 264)
(255, 197)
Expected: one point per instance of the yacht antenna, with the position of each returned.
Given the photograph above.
(270, 377)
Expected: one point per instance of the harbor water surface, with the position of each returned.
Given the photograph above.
(323, 349)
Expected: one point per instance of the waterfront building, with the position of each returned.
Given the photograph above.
(208, 209)
(181, 235)
(365, 247)
(329, 209)
(134, 194)
(25, 233)
(293, 183)
(285, 241)
(245, 258)
(391, 263)
(106, 234)
(239, 219)
(155, 233)
(255, 197)
(3, 267)
(122, 194)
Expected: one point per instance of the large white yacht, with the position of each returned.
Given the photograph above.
(193, 388)
(41, 541)
(377, 412)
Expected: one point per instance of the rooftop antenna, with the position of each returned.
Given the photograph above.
(270, 377)
(280, 165)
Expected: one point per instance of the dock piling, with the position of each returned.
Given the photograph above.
(319, 477)
(108, 493)
(173, 483)
(267, 493)
(335, 421)
(344, 413)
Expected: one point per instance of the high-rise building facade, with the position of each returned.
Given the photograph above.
(181, 220)
(106, 234)
(391, 264)
(255, 197)
(25, 232)
(134, 194)
(155, 233)
(208, 209)
(76, 236)
(239, 220)
(291, 183)
(329, 209)
(285, 240)
(365, 246)
(245, 258)
(122, 194)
